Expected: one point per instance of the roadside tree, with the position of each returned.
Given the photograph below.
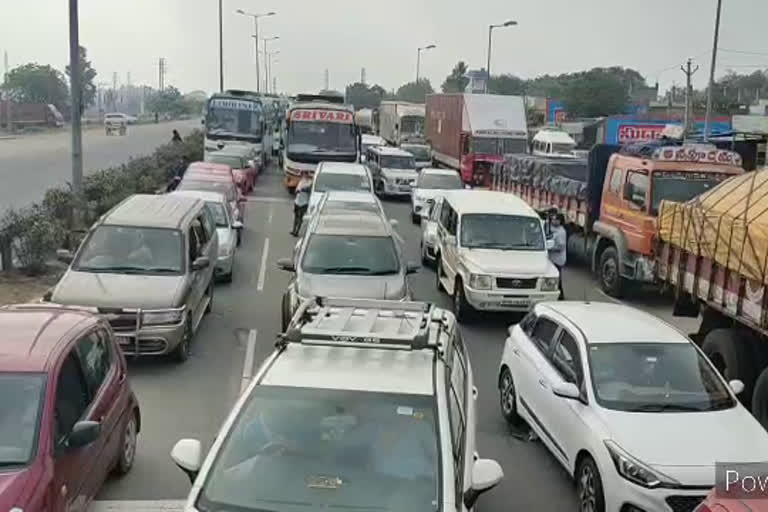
(415, 91)
(456, 81)
(87, 76)
(36, 83)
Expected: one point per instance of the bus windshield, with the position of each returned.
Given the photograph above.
(320, 137)
(238, 118)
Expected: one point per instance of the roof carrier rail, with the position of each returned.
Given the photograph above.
(362, 323)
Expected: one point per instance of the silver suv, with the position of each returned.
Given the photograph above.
(147, 266)
(350, 249)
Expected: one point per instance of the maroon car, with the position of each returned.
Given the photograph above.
(68, 416)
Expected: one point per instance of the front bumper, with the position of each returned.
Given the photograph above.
(621, 495)
(507, 300)
(224, 265)
(154, 340)
(396, 189)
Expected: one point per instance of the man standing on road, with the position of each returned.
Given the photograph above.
(557, 253)
(176, 137)
(301, 202)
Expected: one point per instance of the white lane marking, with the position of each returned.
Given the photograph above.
(250, 353)
(257, 199)
(269, 216)
(263, 269)
(137, 506)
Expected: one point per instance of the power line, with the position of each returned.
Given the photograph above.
(744, 52)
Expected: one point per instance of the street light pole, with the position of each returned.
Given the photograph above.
(418, 58)
(221, 47)
(708, 115)
(266, 62)
(488, 65)
(76, 91)
(256, 40)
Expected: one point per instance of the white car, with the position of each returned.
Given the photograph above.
(336, 420)
(428, 244)
(338, 176)
(628, 405)
(422, 154)
(227, 228)
(492, 253)
(393, 170)
(430, 184)
(368, 140)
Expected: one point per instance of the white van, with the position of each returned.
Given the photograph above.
(554, 144)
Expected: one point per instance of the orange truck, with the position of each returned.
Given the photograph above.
(611, 199)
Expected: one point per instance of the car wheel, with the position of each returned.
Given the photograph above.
(181, 353)
(209, 293)
(438, 272)
(424, 258)
(415, 218)
(228, 277)
(462, 309)
(285, 311)
(589, 486)
(128, 443)
(609, 273)
(508, 397)
(239, 237)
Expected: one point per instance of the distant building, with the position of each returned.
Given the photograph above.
(477, 80)
(196, 96)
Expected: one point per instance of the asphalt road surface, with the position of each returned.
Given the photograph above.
(191, 400)
(30, 164)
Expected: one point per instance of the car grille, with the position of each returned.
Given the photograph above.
(403, 181)
(515, 283)
(121, 321)
(684, 503)
(146, 346)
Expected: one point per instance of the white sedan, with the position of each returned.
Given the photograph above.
(627, 404)
(430, 184)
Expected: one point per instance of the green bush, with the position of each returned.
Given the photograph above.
(35, 232)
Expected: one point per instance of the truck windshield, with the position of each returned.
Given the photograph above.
(234, 122)
(505, 232)
(319, 137)
(412, 124)
(655, 377)
(495, 146)
(681, 186)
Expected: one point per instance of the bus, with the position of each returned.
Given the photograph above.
(319, 128)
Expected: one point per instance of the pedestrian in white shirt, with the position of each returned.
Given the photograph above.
(301, 202)
(558, 252)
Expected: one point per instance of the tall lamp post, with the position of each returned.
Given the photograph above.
(269, 68)
(708, 115)
(75, 81)
(267, 40)
(418, 58)
(256, 17)
(490, 32)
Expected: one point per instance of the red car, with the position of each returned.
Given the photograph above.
(243, 178)
(69, 416)
(715, 504)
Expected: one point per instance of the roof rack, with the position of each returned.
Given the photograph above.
(362, 323)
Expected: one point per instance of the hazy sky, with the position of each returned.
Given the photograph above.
(553, 36)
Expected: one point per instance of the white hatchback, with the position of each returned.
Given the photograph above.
(430, 184)
(627, 404)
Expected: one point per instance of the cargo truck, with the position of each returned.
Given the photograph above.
(611, 199)
(472, 132)
(401, 121)
(24, 115)
(713, 254)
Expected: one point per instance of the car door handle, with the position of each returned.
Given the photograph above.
(543, 383)
(474, 392)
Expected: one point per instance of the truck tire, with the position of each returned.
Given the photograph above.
(760, 399)
(609, 273)
(733, 355)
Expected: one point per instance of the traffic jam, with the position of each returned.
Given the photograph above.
(368, 400)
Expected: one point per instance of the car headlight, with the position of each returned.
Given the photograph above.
(635, 471)
(550, 284)
(172, 316)
(480, 281)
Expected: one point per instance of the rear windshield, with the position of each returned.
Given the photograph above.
(439, 181)
(224, 187)
(327, 181)
(351, 254)
(234, 162)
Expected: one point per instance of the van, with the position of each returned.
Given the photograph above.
(553, 144)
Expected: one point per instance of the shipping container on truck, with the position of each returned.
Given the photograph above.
(472, 132)
(364, 120)
(610, 200)
(713, 254)
(401, 121)
(30, 114)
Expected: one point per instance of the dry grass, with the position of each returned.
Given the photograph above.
(16, 287)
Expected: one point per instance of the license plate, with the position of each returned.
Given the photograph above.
(405, 188)
(515, 302)
(124, 340)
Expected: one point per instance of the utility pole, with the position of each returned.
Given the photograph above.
(162, 68)
(362, 76)
(708, 116)
(327, 80)
(274, 85)
(8, 108)
(221, 48)
(76, 92)
(688, 96)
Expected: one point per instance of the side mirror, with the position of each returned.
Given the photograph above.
(251, 163)
(412, 268)
(736, 386)
(486, 474)
(393, 223)
(65, 256)
(188, 455)
(550, 244)
(286, 264)
(237, 225)
(201, 263)
(83, 433)
(467, 186)
(566, 390)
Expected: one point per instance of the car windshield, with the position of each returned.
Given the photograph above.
(439, 181)
(219, 213)
(655, 377)
(20, 407)
(398, 162)
(317, 137)
(493, 231)
(233, 161)
(128, 249)
(418, 152)
(223, 187)
(348, 254)
(680, 187)
(326, 181)
(562, 148)
(296, 449)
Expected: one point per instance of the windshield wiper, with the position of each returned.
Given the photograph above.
(116, 268)
(163, 270)
(382, 272)
(345, 270)
(664, 407)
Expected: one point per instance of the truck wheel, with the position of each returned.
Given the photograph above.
(733, 356)
(760, 399)
(609, 273)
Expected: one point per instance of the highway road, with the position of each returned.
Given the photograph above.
(30, 164)
(191, 400)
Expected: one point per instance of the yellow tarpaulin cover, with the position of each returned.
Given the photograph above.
(728, 224)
